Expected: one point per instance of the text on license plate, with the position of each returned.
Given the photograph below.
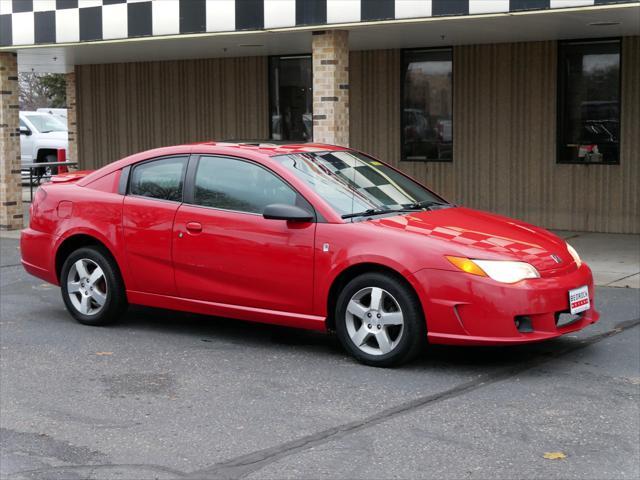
(579, 300)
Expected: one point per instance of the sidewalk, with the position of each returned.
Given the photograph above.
(613, 258)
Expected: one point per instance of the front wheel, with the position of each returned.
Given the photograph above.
(92, 289)
(379, 320)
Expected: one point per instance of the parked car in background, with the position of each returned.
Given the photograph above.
(61, 113)
(42, 136)
(311, 236)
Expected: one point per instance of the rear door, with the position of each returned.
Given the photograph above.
(154, 193)
(225, 251)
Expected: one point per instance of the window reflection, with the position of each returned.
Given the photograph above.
(161, 179)
(352, 182)
(589, 102)
(427, 130)
(237, 185)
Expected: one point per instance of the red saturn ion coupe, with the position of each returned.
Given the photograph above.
(311, 236)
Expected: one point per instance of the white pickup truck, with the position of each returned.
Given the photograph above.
(41, 136)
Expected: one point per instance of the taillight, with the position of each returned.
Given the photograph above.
(39, 196)
(62, 157)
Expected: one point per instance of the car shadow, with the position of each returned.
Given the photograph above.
(219, 330)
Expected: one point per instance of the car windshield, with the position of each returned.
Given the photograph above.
(353, 183)
(46, 123)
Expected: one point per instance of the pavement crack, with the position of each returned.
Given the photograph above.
(86, 471)
(244, 465)
(623, 278)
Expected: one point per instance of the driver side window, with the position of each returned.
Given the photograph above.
(232, 184)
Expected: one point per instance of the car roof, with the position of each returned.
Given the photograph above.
(255, 150)
(273, 147)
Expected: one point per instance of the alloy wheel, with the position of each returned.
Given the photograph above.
(374, 321)
(87, 287)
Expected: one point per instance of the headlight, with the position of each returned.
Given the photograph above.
(504, 271)
(574, 254)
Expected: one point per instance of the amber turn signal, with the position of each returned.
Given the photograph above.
(466, 265)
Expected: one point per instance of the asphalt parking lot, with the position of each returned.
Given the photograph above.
(172, 395)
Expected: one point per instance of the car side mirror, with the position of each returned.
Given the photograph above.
(290, 213)
(25, 131)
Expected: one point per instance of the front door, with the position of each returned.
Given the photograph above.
(224, 251)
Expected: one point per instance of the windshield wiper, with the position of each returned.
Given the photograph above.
(405, 208)
(372, 211)
(426, 204)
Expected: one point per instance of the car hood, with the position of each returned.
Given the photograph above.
(62, 136)
(481, 235)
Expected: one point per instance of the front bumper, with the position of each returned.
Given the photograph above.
(463, 309)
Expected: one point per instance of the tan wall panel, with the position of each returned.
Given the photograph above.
(129, 107)
(505, 137)
(504, 126)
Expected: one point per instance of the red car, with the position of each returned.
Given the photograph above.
(311, 236)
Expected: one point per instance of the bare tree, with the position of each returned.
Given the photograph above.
(41, 90)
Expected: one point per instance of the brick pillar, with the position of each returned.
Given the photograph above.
(72, 117)
(10, 184)
(331, 87)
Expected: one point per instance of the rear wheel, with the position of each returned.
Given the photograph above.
(92, 289)
(379, 320)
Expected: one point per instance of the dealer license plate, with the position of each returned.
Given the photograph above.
(579, 300)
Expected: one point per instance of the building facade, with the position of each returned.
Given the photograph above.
(527, 108)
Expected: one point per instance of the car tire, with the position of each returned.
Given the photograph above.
(379, 320)
(50, 170)
(92, 288)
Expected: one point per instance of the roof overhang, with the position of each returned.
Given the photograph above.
(557, 24)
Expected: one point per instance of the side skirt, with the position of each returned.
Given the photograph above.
(252, 314)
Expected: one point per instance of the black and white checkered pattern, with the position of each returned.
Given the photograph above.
(32, 22)
(362, 180)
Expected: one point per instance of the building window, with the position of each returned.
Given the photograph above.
(291, 98)
(589, 102)
(427, 104)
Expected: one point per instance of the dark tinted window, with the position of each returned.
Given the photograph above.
(589, 102)
(159, 179)
(291, 98)
(427, 85)
(232, 184)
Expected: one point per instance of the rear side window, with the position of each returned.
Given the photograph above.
(162, 179)
(237, 185)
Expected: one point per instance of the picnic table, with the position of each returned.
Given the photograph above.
(33, 166)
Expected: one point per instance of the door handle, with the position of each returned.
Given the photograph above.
(194, 227)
